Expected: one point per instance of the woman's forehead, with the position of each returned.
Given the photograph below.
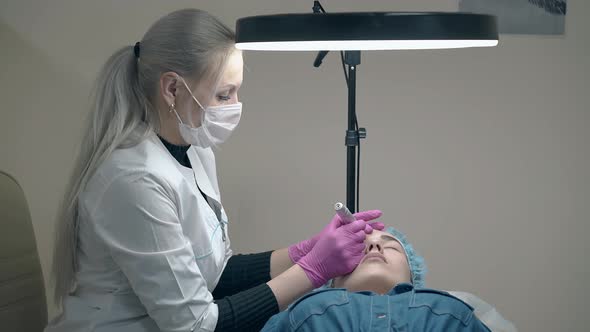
(234, 70)
(231, 77)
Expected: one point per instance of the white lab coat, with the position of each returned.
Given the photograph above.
(150, 248)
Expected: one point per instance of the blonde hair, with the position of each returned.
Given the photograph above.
(189, 42)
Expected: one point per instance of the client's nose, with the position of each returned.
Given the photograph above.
(373, 247)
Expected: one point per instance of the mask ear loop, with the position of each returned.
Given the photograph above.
(191, 93)
(172, 109)
(197, 101)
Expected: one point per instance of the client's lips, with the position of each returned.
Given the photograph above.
(374, 255)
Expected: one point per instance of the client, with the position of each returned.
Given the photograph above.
(384, 293)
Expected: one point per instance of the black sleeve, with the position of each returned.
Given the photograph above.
(243, 272)
(246, 311)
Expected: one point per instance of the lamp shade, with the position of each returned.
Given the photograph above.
(365, 31)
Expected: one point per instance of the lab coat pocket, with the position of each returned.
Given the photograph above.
(211, 254)
(203, 240)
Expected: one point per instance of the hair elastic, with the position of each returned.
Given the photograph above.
(136, 50)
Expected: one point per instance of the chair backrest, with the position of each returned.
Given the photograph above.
(486, 313)
(22, 292)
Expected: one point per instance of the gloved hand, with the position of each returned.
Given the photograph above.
(298, 250)
(336, 253)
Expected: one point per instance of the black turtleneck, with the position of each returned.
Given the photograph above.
(244, 300)
(179, 152)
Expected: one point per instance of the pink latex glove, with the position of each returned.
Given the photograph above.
(298, 250)
(336, 253)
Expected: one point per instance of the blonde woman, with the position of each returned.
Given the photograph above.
(142, 241)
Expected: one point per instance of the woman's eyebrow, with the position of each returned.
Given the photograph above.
(227, 86)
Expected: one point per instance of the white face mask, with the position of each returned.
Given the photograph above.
(217, 124)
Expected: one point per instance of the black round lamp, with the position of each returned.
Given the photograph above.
(351, 33)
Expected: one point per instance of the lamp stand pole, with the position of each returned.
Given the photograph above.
(352, 59)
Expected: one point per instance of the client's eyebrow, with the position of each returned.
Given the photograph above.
(388, 238)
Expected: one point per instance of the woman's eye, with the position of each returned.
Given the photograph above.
(394, 248)
(223, 97)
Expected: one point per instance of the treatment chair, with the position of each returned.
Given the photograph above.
(22, 292)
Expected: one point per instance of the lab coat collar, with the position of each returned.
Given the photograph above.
(204, 169)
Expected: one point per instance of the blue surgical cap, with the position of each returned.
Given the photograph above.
(415, 261)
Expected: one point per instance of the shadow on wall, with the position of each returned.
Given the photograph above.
(544, 17)
(43, 108)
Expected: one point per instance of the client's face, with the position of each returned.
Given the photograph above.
(383, 266)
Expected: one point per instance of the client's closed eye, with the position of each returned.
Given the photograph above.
(394, 248)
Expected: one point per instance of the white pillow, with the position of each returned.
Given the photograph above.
(486, 312)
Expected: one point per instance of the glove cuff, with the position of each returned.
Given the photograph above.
(316, 279)
(294, 253)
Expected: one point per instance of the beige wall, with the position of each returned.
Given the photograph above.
(481, 156)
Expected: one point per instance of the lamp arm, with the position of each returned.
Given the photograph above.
(318, 9)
